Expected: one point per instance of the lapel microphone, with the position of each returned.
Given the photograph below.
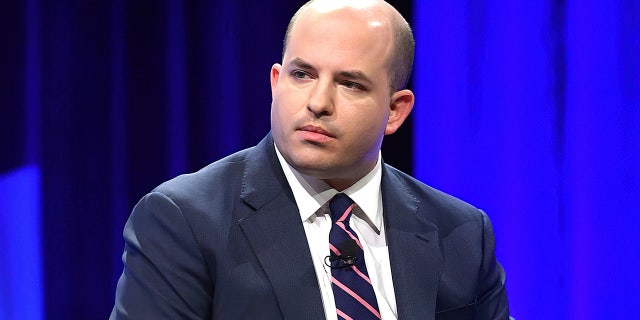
(347, 258)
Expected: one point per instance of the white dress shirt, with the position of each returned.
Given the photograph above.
(312, 196)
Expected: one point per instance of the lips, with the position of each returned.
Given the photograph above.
(314, 129)
(314, 134)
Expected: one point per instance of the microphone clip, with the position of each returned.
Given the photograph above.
(348, 250)
(340, 262)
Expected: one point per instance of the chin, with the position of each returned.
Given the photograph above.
(310, 168)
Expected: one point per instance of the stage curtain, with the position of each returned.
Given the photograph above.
(102, 101)
(530, 110)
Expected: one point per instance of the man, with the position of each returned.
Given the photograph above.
(249, 236)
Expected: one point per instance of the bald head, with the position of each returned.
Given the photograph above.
(400, 60)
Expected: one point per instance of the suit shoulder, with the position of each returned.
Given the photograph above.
(441, 208)
(222, 175)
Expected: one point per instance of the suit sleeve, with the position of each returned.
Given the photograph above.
(492, 294)
(165, 275)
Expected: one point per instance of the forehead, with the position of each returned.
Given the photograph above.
(343, 37)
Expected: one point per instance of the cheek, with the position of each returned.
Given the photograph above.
(277, 121)
(280, 112)
(286, 100)
(370, 119)
(283, 113)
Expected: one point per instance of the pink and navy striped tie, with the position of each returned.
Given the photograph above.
(352, 289)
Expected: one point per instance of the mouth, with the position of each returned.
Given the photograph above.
(314, 129)
(315, 134)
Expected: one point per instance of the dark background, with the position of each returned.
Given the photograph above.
(110, 98)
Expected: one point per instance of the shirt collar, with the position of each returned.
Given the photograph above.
(312, 193)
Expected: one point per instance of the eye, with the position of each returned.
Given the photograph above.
(299, 74)
(353, 85)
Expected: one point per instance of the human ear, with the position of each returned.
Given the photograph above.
(274, 76)
(400, 107)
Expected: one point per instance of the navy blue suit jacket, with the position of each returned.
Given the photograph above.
(227, 242)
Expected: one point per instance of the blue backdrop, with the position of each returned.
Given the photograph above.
(529, 110)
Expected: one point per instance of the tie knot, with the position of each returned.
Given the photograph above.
(340, 206)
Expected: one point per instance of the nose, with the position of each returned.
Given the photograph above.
(321, 98)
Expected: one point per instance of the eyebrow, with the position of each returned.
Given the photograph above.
(298, 62)
(350, 74)
(356, 75)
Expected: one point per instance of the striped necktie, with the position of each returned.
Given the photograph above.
(352, 289)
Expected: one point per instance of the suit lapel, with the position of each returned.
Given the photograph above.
(277, 236)
(275, 232)
(414, 251)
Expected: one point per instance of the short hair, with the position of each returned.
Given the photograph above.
(400, 62)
